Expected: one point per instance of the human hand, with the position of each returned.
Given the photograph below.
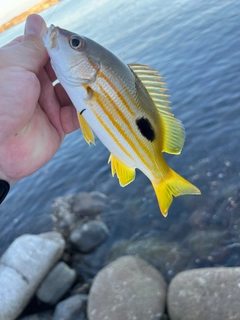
(35, 116)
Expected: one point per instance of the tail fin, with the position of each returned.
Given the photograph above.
(172, 185)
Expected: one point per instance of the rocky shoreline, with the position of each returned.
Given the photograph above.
(41, 276)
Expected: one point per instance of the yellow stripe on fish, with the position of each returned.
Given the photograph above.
(126, 106)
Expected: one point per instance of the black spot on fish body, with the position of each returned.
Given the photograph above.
(146, 128)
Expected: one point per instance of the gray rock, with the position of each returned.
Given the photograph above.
(204, 243)
(87, 236)
(128, 288)
(62, 216)
(58, 281)
(89, 203)
(168, 257)
(73, 308)
(39, 316)
(23, 266)
(209, 293)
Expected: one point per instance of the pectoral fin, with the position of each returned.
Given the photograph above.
(86, 130)
(124, 173)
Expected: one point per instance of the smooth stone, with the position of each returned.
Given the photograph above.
(89, 235)
(128, 288)
(73, 308)
(208, 293)
(58, 281)
(85, 203)
(23, 266)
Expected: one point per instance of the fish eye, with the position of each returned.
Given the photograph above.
(76, 42)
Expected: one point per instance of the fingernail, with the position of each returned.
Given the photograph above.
(35, 25)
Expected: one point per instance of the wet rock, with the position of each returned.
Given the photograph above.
(66, 211)
(63, 217)
(89, 235)
(200, 219)
(204, 243)
(128, 288)
(90, 203)
(73, 308)
(58, 281)
(23, 266)
(40, 316)
(210, 293)
(168, 257)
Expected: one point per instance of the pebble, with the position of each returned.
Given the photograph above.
(73, 308)
(23, 266)
(89, 203)
(89, 235)
(207, 293)
(128, 288)
(58, 281)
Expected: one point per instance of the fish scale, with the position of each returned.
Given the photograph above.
(119, 110)
(126, 107)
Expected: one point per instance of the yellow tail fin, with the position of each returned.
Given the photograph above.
(172, 185)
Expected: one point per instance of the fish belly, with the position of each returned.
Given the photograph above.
(110, 137)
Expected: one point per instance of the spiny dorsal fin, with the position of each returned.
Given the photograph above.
(174, 134)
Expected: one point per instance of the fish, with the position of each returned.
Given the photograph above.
(126, 106)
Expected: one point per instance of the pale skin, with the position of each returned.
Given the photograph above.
(35, 116)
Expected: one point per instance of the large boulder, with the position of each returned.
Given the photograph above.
(209, 293)
(128, 288)
(22, 268)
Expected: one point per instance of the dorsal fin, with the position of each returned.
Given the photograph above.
(174, 134)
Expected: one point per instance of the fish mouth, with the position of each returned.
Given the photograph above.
(50, 39)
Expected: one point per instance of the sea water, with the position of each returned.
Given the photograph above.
(196, 47)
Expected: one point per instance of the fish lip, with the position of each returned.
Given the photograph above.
(50, 39)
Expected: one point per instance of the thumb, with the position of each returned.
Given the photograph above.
(33, 52)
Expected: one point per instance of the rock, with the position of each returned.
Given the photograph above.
(63, 217)
(128, 288)
(66, 211)
(89, 235)
(90, 203)
(204, 243)
(209, 293)
(73, 308)
(58, 281)
(39, 316)
(168, 257)
(23, 266)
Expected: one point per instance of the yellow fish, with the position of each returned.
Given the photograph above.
(125, 106)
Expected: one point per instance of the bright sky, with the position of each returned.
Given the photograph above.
(12, 8)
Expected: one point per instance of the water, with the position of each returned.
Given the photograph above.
(196, 46)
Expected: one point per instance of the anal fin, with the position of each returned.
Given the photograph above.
(85, 128)
(124, 173)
